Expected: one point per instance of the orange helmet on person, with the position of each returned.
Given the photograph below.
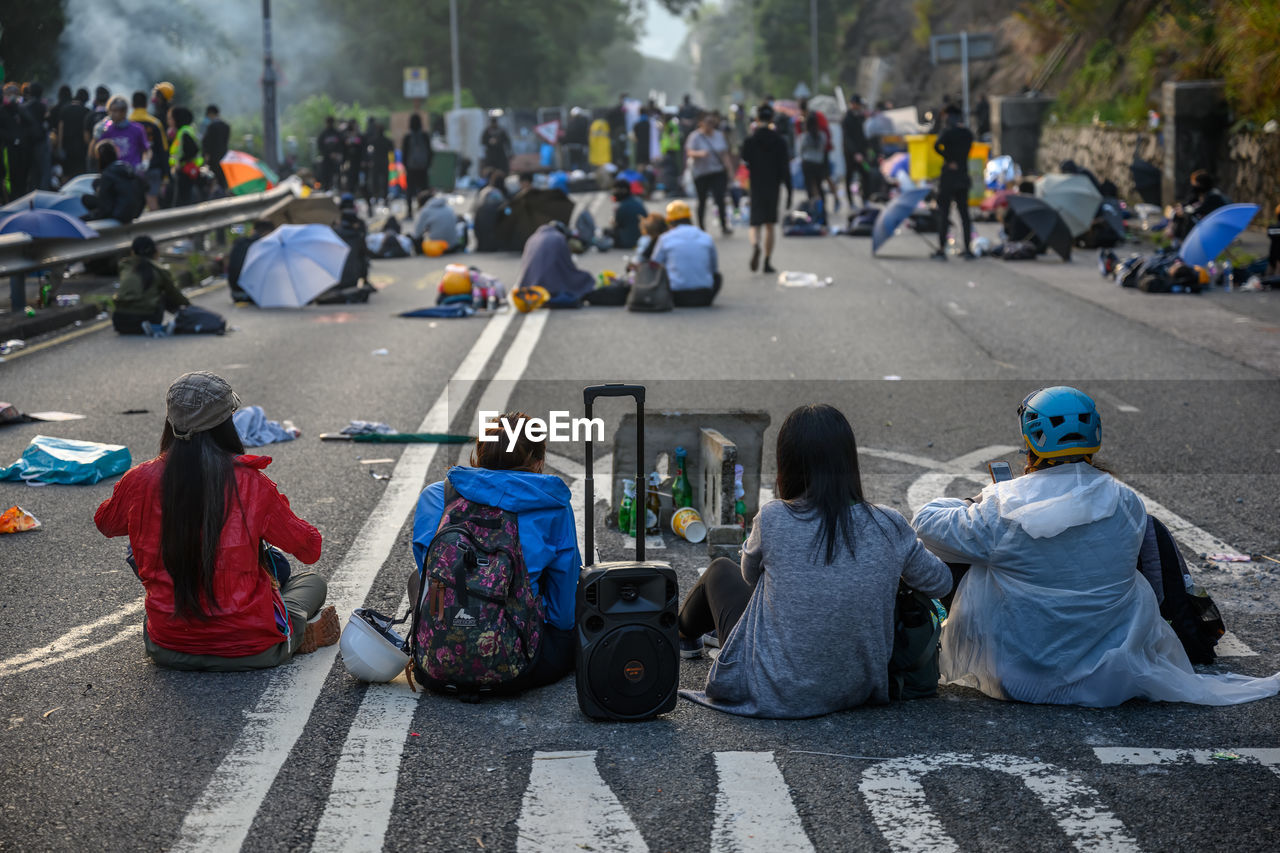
(678, 210)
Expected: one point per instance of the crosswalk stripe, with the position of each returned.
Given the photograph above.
(1268, 757)
(568, 806)
(754, 811)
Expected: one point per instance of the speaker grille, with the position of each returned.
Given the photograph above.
(592, 595)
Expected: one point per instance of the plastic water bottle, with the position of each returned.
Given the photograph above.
(1227, 270)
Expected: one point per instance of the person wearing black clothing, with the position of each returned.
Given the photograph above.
(415, 151)
(119, 193)
(16, 133)
(497, 147)
(855, 145)
(577, 136)
(1273, 258)
(71, 141)
(214, 144)
(41, 151)
(617, 119)
(329, 145)
(239, 251)
(1205, 198)
(379, 149)
(352, 157)
(953, 186)
(641, 132)
(768, 164)
(982, 117)
(97, 113)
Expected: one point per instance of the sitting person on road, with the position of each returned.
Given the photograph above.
(807, 620)
(624, 231)
(146, 292)
(119, 193)
(487, 211)
(689, 255)
(436, 221)
(513, 480)
(548, 262)
(202, 520)
(1052, 609)
(652, 227)
(1273, 256)
(235, 257)
(1205, 198)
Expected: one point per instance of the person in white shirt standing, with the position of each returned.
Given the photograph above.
(708, 152)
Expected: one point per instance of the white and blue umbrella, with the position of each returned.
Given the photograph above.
(45, 225)
(894, 215)
(1215, 232)
(293, 265)
(72, 205)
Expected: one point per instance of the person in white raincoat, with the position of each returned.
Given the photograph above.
(1053, 609)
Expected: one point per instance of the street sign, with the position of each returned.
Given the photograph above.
(415, 83)
(946, 49)
(549, 131)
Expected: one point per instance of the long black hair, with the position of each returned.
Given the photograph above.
(818, 472)
(198, 478)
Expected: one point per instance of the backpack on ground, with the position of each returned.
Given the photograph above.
(917, 632)
(475, 597)
(1019, 250)
(194, 320)
(651, 289)
(1191, 613)
(419, 154)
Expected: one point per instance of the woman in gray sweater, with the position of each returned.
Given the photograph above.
(807, 619)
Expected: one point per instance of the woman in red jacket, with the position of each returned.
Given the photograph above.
(199, 517)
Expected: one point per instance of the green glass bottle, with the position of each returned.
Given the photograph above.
(681, 491)
(627, 509)
(739, 504)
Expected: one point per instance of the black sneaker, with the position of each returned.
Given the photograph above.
(969, 256)
(768, 267)
(939, 255)
(690, 649)
(755, 258)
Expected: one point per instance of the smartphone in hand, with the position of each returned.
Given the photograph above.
(1000, 471)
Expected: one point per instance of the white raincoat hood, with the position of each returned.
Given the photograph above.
(1048, 502)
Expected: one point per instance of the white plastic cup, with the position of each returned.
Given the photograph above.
(687, 524)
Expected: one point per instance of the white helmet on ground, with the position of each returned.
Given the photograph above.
(370, 650)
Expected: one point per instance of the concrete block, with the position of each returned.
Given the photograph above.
(724, 534)
(1195, 122)
(730, 552)
(1016, 121)
(665, 431)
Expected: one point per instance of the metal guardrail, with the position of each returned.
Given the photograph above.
(20, 254)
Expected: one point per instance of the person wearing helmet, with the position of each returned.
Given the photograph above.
(161, 99)
(1052, 609)
(509, 476)
(199, 518)
(689, 255)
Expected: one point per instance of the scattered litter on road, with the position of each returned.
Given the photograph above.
(399, 438)
(789, 278)
(15, 519)
(384, 461)
(46, 714)
(1227, 558)
(414, 734)
(893, 378)
(383, 351)
(12, 345)
(365, 427)
(55, 416)
(377, 476)
(971, 283)
(1224, 755)
(64, 460)
(136, 412)
(1265, 557)
(255, 430)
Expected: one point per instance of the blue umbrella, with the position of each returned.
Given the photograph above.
(1215, 232)
(894, 215)
(45, 200)
(46, 224)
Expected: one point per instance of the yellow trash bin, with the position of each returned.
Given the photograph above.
(926, 164)
(979, 153)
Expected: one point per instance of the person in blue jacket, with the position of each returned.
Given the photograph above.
(513, 480)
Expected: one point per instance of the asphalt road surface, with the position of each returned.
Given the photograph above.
(102, 750)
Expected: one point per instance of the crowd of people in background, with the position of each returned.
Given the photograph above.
(150, 150)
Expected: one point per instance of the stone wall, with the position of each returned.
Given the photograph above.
(1247, 171)
(1104, 151)
(1252, 172)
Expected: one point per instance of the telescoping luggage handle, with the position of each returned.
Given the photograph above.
(589, 394)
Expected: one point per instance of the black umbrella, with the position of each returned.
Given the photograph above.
(1109, 210)
(1146, 180)
(1044, 222)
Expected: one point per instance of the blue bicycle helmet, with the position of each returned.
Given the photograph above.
(1060, 421)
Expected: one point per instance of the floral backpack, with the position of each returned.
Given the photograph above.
(477, 624)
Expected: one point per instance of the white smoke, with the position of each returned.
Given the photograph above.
(212, 50)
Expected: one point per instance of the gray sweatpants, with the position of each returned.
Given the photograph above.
(303, 596)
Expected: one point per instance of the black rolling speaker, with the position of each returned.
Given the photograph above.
(628, 649)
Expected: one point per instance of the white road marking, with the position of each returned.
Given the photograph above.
(1268, 757)
(221, 817)
(358, 811)
(568, 806)
(957, 310)
(1231, 646)
(754, 811)
(72, 645)
(1121, 405)
(900, 810)
(364, 783)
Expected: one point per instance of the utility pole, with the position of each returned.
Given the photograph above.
(813, 41)
(270, 112)
(453, 49)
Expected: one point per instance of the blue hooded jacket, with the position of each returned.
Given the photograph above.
(548, 533)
